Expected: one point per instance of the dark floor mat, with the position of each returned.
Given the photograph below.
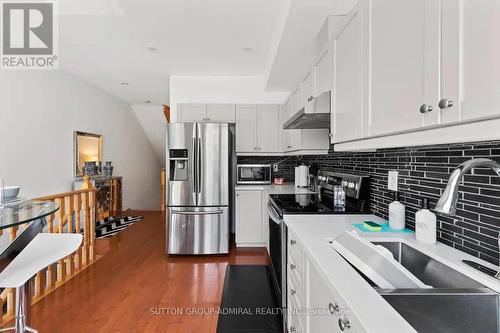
(247, 303)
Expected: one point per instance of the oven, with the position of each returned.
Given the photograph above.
(253, 174)
(278, 253)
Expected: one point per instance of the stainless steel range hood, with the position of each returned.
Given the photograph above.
(318, 118)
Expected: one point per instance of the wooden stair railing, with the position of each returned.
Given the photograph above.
(76, 214)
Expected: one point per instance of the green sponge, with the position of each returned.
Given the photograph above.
(372, 226)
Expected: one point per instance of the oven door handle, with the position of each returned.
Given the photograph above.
(272, 214)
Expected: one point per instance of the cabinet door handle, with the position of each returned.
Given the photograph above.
(310, 98)
(293, 329)
(293, 242)
(333, 308)
(425, 108)
(292, 266)
(445, 103)
(343, 324)
(293, 292)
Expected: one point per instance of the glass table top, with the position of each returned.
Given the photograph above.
(17, 213)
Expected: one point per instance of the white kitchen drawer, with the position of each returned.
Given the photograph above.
(294, 322)
(295, 289)
(294, 247)
(295, 267)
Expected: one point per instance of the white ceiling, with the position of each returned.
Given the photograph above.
(295, 50)
(107, 42)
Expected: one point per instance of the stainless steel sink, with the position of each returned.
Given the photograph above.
(426, 269)
(456, 303)
(450, 311)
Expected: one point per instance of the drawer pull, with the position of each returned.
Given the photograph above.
(426, 108)
(343, 324)
(292, 266)
(293, 242)
(333, 308)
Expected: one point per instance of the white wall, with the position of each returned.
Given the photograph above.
(154, 125)
(220, 89)
(39, 110)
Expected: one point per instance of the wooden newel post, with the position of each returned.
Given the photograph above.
(86, 183)
(163, 176)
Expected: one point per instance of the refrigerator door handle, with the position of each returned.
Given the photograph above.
(213, 212)
(198, 164)
(195, 166)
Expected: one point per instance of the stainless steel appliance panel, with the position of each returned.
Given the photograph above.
(213, 164)
(198, 230)
(181, 136)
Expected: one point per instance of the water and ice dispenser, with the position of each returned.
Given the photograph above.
(179, 166)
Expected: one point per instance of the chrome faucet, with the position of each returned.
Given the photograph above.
(447, 204)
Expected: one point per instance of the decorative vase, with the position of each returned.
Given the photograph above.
(90, 168)
(108, 169)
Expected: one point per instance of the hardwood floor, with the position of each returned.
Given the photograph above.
(136, 287)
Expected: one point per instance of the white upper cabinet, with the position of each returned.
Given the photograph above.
(214, 113)
(189, 113)
(258, 128)
(347, 67)
(308, 93)
(268, 128)
(470, 60)
(297, 101)
(322, 72)
(397, 32)
(246, 128)
(221, 113)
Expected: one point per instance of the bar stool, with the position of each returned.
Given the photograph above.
(42, 251)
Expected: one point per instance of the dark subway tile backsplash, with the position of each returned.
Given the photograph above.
(423, 172)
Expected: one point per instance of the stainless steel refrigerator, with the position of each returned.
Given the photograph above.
(199, 158)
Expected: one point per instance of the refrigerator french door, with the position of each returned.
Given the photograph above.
(198, 162)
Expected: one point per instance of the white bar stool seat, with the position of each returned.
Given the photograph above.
(42, 251)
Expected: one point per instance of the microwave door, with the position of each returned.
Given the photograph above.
(181, 165)
(213, 164)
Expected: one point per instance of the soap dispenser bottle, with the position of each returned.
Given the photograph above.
(397, 213)
(425, 224)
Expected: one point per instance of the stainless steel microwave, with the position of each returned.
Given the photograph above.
(254, 174)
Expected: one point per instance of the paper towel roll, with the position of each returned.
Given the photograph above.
(303, 175)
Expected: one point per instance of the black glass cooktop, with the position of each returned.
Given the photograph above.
(309, 204)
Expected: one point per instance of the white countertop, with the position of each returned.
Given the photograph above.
(373, 312)
(274, 189)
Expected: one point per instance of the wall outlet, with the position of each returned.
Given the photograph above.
(275, 167)
(392, 180)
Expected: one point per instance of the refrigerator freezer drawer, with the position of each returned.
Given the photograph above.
(198, 230)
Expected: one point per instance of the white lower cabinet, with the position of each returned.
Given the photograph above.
(314, 306)
(249, 215)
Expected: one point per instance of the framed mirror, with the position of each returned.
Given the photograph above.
(87, 148)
